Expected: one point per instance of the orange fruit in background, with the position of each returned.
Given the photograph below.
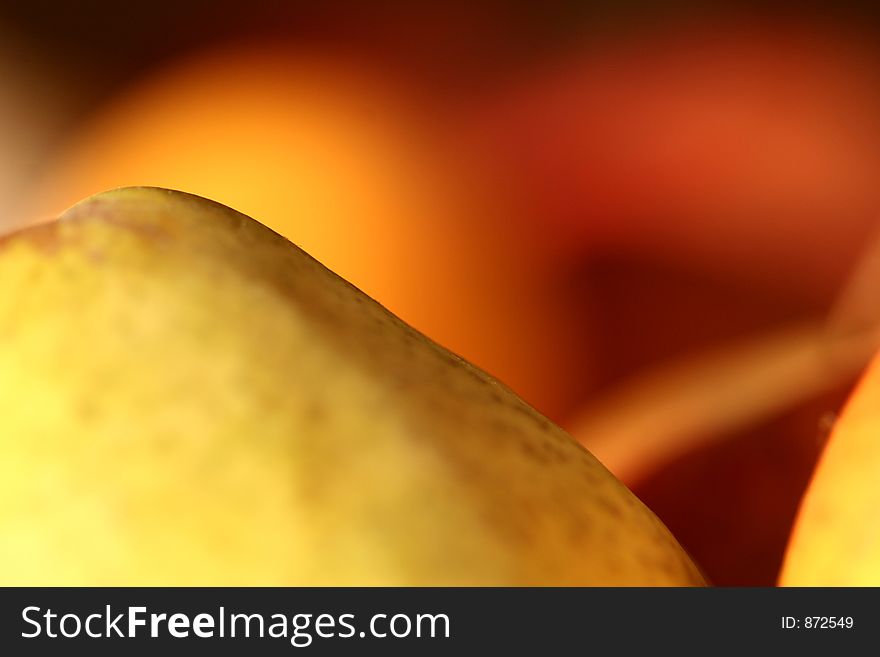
(836, 538)
(350, 166)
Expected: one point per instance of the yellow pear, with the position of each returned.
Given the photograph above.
(186, 398)
(835, 540)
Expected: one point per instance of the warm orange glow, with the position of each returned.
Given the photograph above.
(724, 144)
(345, 164)
(836, 539)
(316, 150)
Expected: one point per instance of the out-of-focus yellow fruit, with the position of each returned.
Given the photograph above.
(836, 540)
(187, 398)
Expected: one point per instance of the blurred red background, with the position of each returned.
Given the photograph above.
(571, 197)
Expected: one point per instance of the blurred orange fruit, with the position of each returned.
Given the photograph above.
(347, 164)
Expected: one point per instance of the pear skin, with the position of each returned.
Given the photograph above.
(835, 540)
(186, 398)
